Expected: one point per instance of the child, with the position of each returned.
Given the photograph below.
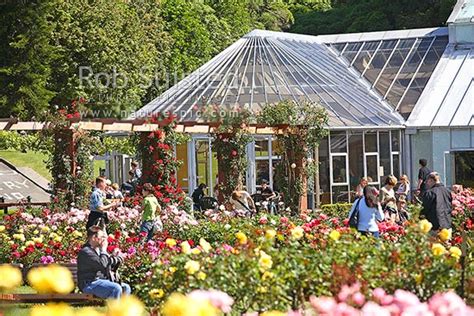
(402, 212)
(151, 221)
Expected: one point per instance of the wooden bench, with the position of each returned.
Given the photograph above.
(72, 298)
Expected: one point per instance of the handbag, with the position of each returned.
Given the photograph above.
(354, 218)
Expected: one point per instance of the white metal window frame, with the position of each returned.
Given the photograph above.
(270, 158)
(192, 164)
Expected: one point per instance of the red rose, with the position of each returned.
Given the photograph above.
(62, 253)
(234, 153)
(39, 245)
(48, 251)
(69, 116)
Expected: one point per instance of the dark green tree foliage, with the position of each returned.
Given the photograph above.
(25, 57)
(348, 16)
(109, 52)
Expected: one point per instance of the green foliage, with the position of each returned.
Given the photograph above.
(299, 128)
(108, 37)
(160, 165)
(339, 210)
(301, 268)
(26, 54)
(229, 140)
(368, 15)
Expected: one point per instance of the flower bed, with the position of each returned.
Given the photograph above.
(263, 263)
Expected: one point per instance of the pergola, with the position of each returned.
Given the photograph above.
(116, 125)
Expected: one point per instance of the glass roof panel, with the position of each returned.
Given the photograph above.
(393, 66)
(424, 73)
(351, 51)
(380, 59)
(362, 60)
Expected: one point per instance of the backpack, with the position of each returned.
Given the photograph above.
(354, 219)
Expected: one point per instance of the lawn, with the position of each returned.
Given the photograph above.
(36, 161)
(31, 159)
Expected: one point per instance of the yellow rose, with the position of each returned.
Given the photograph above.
(273, 313)
(77, 233)
(262, 289)
(192, 266)
(2, 228)
(297, 232)
(36, 232)
(455, 252)
(265, 262)
(38, 239)
(445, 234)
(418, 278)
(170, 242)
(127, 305)
(270, 234)
(425, 226)
(45, 229)
(241, 238)
(156, 293)
(30, 243)
(335, 235)
(180, 305)
(185, 247)
(438, 249)
(88, 311)
(51, 279)
(172, 269)
(11, 277)
(201, 275)
(19, 237)
(205, 245)
(58, 239)
(195, 251)
(267, 275)
(52, 309)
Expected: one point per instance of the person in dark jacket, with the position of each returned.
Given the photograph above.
(197, 195)
(437, 203)
(95, 267)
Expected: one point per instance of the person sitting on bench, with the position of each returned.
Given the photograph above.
(95, 267)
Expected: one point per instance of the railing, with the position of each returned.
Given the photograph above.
(27, 202)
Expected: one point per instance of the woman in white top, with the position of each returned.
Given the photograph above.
(370, 212)
(404, 188)
(241, 200)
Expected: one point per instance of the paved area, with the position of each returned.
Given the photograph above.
(16, 185)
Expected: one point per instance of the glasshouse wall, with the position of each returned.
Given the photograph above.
(345, 157)
(450, 152)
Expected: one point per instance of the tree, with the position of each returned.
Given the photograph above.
(109, 50)
(372, 15)
(26, 54)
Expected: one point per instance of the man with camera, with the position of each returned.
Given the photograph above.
(97, 207)
(96, 269)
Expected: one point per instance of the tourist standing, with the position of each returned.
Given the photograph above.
(137, 173)
(370, 211)
(422, 175)
(97, 207)
(437, 203)
(151, 209)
